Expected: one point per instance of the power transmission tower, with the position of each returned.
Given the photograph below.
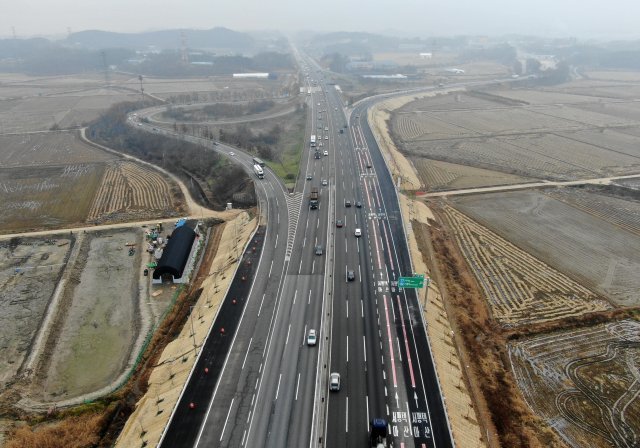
(184, 54)
(106, 67)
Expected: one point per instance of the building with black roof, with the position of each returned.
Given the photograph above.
(175, 255)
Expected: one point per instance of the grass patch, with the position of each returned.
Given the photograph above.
(292, 145)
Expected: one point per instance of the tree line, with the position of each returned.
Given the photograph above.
(213, 173)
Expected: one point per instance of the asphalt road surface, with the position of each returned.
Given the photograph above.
(272, 388)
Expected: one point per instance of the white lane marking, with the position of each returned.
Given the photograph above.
(295, 294)
(360, 273)
(304, 241)
(226, 420)
(298, 385)
(313, 266)
(347, 309)
(288, 331)
(261, 302)
(347, 348)
(364, 347)
(346, 416)
(304, 334)
(309, 299)
(366, 399)
(246, 354)
(362, 308)
(270, 268)
(276, 245)
(278, 389)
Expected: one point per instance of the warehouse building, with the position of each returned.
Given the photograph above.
(176, 255)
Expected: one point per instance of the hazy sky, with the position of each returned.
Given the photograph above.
(557, 18)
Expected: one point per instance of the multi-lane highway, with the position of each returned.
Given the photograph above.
(273, 387)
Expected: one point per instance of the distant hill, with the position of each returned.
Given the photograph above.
(214, 39)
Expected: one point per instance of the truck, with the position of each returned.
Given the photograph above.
(313, 140)
(313, 198)
(378, 433)
(257, 169)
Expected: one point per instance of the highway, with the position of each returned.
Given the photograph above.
(272, 388)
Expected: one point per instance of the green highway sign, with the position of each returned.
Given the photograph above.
(411, 282)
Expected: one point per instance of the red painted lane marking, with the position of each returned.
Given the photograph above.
(393, 360)
(366, 190)
(406, 343)
(386, 237)
(375, 240)
(376, 189)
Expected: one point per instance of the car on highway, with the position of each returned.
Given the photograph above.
(351, 276)
(368, 164)
(324, 182)
(326, 153)
(347, 203)
(358, 204)
(321, 144)
(312, 338)
(358, 232)
(339, 223)
(334, 382)
(326, 137)
(318, 250)
(326, 128)
(309, 177)
(231, 153)
(335, 108)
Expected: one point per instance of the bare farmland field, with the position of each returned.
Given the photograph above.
(520, 289)
(624, 213)
(132, 191)
(556, 134)
(39, 197)
(615, 75)
(52, 148)
(599, 255)
(38, 104)
(437, 175)
(29, 272)
(456, 101)
(584, 382)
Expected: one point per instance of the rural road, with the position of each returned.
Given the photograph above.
(544, 184)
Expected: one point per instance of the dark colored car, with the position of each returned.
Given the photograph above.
(339, 223)
(347, 203)
(358, 204)
(351, 276)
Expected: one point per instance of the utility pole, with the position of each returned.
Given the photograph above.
(141, 88)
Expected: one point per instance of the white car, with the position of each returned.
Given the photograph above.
(326, 137)
(326, 128)
(358, 232)
(312, 338)
(326, 153)
(334, 382)
(231, 153)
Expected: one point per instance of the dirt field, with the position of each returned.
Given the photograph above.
(520, 289)
(132, 191)
(101, 316)
(35, 104)
(437, 175)
(599, 255)
(559, 134)
(584, 383)
(29, 272)
(53, 180)
(51, 148)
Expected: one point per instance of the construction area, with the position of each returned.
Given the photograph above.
(538, 285)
